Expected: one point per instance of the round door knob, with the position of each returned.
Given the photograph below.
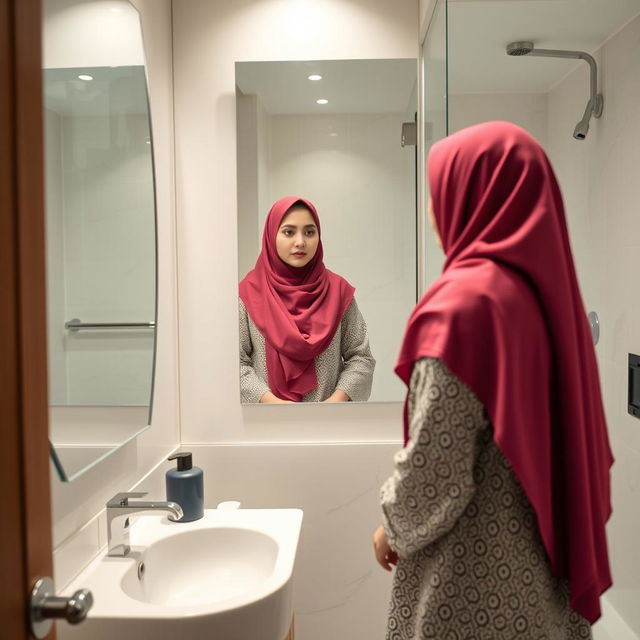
(78, 606)
(45, 606)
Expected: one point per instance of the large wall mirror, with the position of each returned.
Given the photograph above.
(101, 232)
(340, 134)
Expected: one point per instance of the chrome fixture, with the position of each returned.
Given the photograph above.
(596, 101)
(76, 324)
(44, 606)
(594, 322)
(118, 511)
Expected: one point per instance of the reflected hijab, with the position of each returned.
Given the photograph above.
(507, 318)
(297, 309)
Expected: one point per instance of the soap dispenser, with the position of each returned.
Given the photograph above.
(185, 486)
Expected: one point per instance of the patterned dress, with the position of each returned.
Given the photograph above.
(471, 563)
(346, 364)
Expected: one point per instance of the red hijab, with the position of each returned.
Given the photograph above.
(297, 309)
(507, 318)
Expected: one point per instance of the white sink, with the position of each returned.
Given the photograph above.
(227, 576)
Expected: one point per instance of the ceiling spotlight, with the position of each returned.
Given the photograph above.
(315, 76)
(322, 101)
(85, 77)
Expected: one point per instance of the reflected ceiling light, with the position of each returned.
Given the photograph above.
(315, 76)
(333, 134)
(84, 76)
(322, 101)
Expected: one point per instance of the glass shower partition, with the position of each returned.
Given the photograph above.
(434, 126)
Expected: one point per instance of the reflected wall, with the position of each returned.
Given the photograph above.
(101, 232)
(346, 157)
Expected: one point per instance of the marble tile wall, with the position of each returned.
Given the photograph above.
(340, 591)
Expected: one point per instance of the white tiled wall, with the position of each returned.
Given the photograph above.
(527, 110)
(599, 179)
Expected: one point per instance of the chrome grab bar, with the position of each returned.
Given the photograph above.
(76, 325)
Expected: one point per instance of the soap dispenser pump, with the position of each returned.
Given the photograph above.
(186, 487)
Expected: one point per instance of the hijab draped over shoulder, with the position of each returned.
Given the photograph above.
(297, 309)
(507, 318)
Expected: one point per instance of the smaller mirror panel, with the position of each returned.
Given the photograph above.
(100, 219)
(336, 141)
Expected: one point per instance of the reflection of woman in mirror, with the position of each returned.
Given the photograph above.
(495, 514)
(302, 337)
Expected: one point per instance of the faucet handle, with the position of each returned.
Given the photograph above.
(122, 499)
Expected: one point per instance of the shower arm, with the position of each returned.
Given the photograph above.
(595, 101)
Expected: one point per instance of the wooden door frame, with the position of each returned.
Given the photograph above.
(25, 517)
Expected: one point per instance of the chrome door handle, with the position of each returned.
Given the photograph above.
(44, 606)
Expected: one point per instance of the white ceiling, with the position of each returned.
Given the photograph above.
(351, 86)
(479, 31)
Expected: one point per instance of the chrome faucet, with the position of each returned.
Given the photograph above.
(118, 511)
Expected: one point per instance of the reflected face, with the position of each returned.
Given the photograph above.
(432, 222)
(298, 238)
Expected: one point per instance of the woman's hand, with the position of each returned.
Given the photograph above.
(338, 396)
(385, 555)
(270, 398)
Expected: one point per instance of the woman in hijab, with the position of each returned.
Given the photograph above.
(495, 514)
(302, 336)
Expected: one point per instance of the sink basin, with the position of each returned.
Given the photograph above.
(202, 566)
(227, 576)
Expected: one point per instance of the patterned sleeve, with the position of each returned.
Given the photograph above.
(356, 376)
(252, 386)
(433, 480)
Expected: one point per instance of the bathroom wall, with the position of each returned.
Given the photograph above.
(599, 179)
(78, 507)
(329, 460)
(369, 210)
(107, 190)
(339, 591)
(528, 110)
(209, 39)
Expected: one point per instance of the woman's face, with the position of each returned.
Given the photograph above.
(298, 237)
(432, 221)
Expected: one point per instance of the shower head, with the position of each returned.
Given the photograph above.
(594, 106)
(519, 48)
(581, 130)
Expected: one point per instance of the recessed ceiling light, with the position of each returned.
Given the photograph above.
(322, 101)
(333, 134)
(315, 76)
(84, 76)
